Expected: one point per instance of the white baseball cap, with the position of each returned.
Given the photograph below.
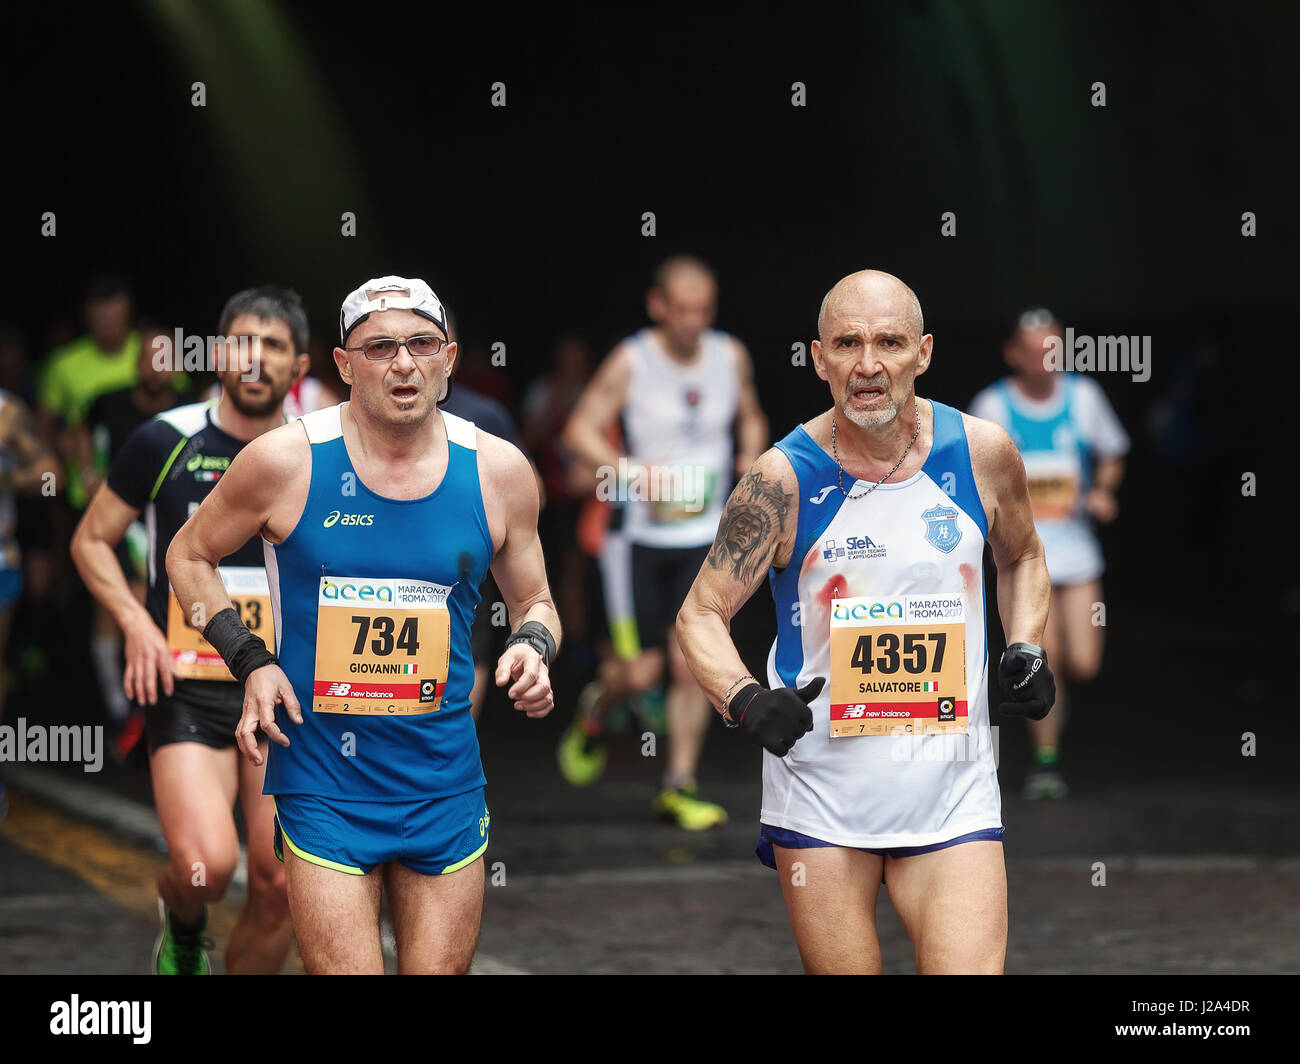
(375, 295)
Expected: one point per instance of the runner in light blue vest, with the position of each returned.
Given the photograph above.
(1073, 447)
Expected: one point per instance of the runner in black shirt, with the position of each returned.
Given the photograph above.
(164, 470)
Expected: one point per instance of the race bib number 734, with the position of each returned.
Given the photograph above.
(383, 647)
(898, 665)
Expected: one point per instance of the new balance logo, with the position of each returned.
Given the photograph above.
(817, 500)
(338, 689)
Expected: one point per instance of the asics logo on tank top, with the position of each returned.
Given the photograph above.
(337, 517)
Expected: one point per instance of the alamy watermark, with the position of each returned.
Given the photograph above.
(121, 1018)
(66, 743)
(685, 487)
(1098, 354)
(980, 744)
(180, 353)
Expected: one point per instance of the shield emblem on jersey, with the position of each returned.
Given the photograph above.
(941, 529)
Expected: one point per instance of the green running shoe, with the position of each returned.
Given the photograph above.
(683, 808)
(1045, 783)
(180, 954)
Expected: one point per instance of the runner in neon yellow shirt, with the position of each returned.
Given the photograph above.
(105, 360)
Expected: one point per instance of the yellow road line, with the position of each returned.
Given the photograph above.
(122, 871)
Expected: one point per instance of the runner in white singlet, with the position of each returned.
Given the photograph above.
(869, 522)
(681, 389)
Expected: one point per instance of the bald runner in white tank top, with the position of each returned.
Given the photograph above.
(901, 566)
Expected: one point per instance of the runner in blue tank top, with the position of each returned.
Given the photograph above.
(870, 522)
(379, 519)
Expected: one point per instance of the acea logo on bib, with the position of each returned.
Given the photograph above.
(860, 611)
(347, 591)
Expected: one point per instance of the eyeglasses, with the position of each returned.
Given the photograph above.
(386, 347)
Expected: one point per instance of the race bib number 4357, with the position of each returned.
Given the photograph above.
(898, 665)
(383, 647)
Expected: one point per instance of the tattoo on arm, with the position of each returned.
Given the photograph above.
(756, 513)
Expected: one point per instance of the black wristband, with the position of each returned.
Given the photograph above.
(537, 636)
(740, 702)
(241, 650)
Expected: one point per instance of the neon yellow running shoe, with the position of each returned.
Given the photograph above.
(683, 808)
(580, 757)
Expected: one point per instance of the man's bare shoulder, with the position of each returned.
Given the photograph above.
(501, 463)
(996, 464)
(990, 447)
(740, 357)
(771, 470)
(278, 456)
(616, 367)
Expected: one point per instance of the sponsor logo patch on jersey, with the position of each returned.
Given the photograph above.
(855, 548)
(207, 462)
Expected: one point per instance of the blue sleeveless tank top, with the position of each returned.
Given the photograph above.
(373, 599)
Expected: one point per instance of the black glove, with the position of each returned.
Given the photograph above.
(1028, 682)
(775, 718)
